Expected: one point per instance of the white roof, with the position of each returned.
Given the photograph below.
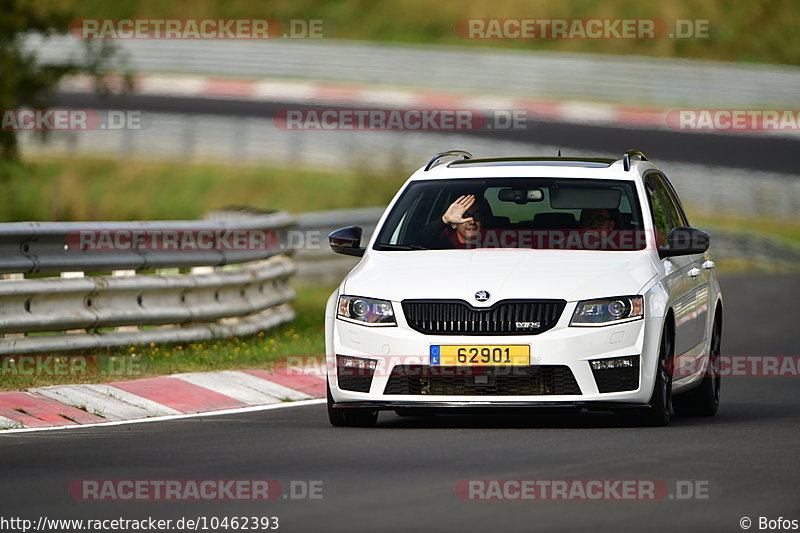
(557, 168)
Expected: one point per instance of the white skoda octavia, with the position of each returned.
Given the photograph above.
(511, 283)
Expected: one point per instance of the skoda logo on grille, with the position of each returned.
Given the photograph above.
(482, 296)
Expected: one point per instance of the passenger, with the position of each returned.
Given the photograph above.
(596, 219)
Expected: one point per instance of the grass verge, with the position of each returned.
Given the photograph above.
(786, 231)
(68, 189)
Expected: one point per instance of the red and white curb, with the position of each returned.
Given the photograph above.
(162, 396)
(321, 93)
(330, 93)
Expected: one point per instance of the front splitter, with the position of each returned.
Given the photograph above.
(491, 406)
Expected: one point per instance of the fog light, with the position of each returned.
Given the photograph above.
(355, 373)
(616, 374)
(614, 362)
(356, 362)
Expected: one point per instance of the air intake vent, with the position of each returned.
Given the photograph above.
(480, 381)
(507, 317)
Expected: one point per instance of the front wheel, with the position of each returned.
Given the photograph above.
(704, 400)
(661, 400)
(351, 416)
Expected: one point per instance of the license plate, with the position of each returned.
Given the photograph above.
(456, 354)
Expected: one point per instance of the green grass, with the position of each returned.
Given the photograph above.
(303, 337)
(102, 189)
(783, 232)
(787, 231)
(742, 30)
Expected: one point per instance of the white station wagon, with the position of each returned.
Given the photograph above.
(531, 282)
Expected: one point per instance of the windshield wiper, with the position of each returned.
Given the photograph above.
(386, 246)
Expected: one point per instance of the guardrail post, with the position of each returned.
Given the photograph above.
(12, 277)
(126, 274)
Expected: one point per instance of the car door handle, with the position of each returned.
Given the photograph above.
(708, 265)
(694, 272)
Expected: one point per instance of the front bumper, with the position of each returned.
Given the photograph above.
(573, 347)
(435, 407)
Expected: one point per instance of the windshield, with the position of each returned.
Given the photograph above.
(539, 213)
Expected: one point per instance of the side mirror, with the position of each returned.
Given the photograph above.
(347, 241)
(685, 241)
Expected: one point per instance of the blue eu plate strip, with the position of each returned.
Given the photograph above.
(435, 354)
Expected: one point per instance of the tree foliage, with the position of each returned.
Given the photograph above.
(27, 82)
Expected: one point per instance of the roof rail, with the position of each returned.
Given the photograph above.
(626, 158)
(454, 153)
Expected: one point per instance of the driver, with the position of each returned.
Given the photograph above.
(459, 225)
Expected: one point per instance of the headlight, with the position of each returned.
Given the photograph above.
(369, 311)
(605, 311)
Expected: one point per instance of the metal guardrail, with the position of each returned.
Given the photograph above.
(250, 294)
(41, 247)
(629, 79)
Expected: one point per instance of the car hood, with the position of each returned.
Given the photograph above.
(458, 274)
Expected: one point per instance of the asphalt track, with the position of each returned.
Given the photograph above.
(768, 153)
(401, 475)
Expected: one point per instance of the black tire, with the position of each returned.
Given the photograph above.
(659, 413)
(704, 400)
(335, 416)
(351, 416)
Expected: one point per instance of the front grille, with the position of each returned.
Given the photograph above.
(354, 379)
(507, 317)
(618, 379)
(481, 380)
